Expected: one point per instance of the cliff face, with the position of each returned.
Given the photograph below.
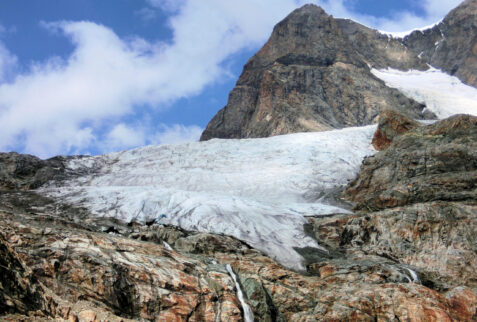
(314, 75)
(452, 44)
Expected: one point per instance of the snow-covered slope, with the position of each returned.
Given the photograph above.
(402, 34)
(443, 94)
(258, 190)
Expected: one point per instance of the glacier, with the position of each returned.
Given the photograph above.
(443, 94)
(257, 190)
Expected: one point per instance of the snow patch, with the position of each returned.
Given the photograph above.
(443, 94)
(257, 190)
(403, 34)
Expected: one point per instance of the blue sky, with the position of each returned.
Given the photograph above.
(94, 76)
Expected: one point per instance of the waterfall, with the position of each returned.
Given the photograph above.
(415, 278)
(247, 311)
(167, 246)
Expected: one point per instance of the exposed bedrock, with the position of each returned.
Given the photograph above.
(314, 74)
(417, 209)
(451, 45)
(430, 163)
(98, 276)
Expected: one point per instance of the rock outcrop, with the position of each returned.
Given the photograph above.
(451, 45)
(416, 209)
(430, 163)
(391, 125)
(128, 272)
(314, 74)
(22, 171)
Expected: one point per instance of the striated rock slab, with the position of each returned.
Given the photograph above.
(120, 276)
(128, 272)
(437, 239)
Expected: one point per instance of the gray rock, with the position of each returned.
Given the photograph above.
(313, 75)
(429, 163)
(23, 171)
(452, 44)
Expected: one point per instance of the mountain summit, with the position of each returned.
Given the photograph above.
(315, 73)
(315, 226)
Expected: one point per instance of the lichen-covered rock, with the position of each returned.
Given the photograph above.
(429, 163)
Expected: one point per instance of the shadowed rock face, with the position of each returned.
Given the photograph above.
(314, 75)
(19, 289)
(452, 44)
(22, 171)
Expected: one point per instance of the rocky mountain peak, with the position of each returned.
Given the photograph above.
(314, 74)
(276, 229)
(301, 38)
(450, 45)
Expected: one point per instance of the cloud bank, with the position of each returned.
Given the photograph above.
(64, 106)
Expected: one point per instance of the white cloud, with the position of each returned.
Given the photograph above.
(434, 11)
(177, 134)
(123, 136)
(62, 106)
(146, 13)
(8, 61)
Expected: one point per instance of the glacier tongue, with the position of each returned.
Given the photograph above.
(257, 190)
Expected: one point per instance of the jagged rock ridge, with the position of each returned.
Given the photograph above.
(451, 45)
(314, 73)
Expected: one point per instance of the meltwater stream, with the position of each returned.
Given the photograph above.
(415, 278)
(247, 311)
